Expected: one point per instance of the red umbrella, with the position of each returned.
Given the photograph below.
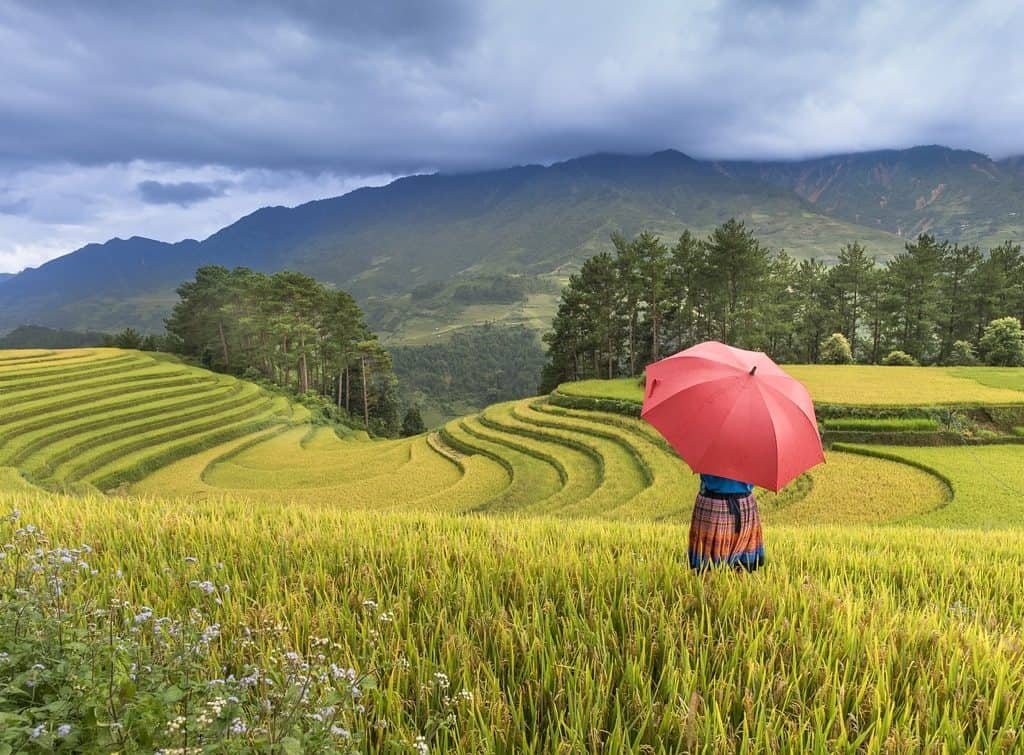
(733, 413)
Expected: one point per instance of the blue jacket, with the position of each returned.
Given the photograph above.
(714, 484)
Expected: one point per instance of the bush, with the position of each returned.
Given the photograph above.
(1002, 343)
(129, 338)
(836, 350)
(412, 423)
(897, 358)
(962, 354)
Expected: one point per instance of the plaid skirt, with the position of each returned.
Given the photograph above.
(726, 531)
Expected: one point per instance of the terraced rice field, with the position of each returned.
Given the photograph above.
(865, 385)
(535, 555)
(529, 458)
(101, 417)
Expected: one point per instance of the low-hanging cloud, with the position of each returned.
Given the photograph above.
(389, 87)
(183, 193)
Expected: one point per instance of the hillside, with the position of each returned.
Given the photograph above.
(953, 194)
(96, 418)
(432, 561)
(381, 243)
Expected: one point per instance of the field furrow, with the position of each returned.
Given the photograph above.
(69, 368)
(103, 449)
(111, 397)
(133, 461)
(284, 462)
(618, 475)
(22, 442)
(670, 485)
(534, 479)
(53, 389)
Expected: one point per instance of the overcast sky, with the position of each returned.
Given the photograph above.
(172, 119)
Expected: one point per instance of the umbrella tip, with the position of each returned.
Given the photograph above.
(753, 369)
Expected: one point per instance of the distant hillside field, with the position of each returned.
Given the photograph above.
(868, 385)
(102, 417)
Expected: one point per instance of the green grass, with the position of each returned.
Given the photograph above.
(892, 424)
(1011, 378)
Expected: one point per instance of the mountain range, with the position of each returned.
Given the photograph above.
(533, 221)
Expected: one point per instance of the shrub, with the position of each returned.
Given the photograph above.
(412, 423)
(1002, 343)
(962, 354)
(836, 350)
(897, 358)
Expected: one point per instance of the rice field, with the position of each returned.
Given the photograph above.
(596, 638)
(866, 385)
(534, 556)
(103, 417)
(528, 458)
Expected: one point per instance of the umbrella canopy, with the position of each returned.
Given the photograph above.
(733, 413)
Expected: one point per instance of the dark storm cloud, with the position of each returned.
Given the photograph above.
(403, 85)
(290, 100)
(183, 193)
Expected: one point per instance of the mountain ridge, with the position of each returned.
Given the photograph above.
(535, 220)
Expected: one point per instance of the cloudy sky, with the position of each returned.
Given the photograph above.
(171, 120)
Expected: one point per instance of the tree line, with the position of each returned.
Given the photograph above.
(645, 299)
(290, 330)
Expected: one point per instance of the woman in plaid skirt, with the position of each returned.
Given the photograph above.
(725, 528)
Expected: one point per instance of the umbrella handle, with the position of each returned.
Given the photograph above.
(650, 388)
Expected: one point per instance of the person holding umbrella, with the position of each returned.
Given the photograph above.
(739, 420)
(725, 527)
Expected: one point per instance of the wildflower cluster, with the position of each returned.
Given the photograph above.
(84, 673)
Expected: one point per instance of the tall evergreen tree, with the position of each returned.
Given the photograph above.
(737, 264)
(915, 283)
(849, 278)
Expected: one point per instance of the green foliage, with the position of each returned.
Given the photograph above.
(498, 289)
(1002, 343)
(412, 422)
(893, 424)
(962, 354)
(620, 313)
(129, 338)
(38, 337)
(291, 330)
(471, 368)
(836, 350)
(897, 358)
